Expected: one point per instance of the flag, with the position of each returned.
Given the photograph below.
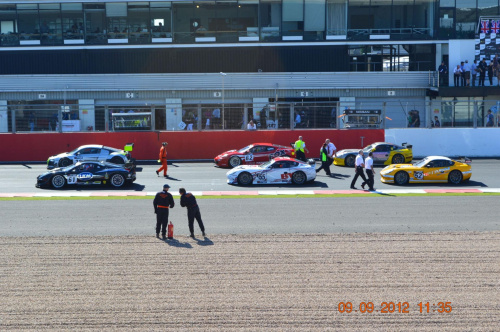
(485, 26)
(495, 26)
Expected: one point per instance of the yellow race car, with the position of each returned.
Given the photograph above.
(433, 169)
(383, 154)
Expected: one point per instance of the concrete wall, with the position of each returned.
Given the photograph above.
(450, 142)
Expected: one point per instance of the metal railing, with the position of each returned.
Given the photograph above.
(403, 113)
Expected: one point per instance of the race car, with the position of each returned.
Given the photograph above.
(433, 169)
(253, 154)
(383, 154)
(89, 153)
(276, 171)
(88, 173)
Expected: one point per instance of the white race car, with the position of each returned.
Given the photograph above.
(90, 153)
(278, 170)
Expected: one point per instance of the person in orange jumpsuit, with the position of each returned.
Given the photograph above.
(163, 160)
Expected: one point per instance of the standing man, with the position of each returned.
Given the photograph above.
(437, 124)
(467, 73)
(370, 172)
(489, 119)
(332, 152)
(473, 70)
(443, 72)
(481, 68)
(300, 147)
(163, 160)
(323, 156)
(358, 165)
(162, 202)
(188, 200)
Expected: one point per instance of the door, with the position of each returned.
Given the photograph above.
(381, 153)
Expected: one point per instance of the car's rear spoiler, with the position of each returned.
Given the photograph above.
(406, 145)
(130, 165)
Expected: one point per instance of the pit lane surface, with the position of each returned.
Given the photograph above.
(206, 177)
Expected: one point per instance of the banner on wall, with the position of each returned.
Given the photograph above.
(487, 38)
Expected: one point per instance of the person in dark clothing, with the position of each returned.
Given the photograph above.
(359, 165)
(490, 73)
(325, 163)
(481, 68)
(189, 201)
(443, 72)
(162, 203)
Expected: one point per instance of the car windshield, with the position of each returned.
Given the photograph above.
(245, 148)
(266, 164)
(421, 163)
(368, 148)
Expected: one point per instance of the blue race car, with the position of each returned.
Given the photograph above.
(88, 173)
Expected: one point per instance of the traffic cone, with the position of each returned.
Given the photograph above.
(170, 231)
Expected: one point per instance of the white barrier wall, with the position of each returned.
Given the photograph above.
(450, 142)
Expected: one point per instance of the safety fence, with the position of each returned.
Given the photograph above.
(360, 113)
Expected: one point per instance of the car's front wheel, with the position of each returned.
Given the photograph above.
(234, 161)
(349, 160)
(64, 162)
(401, 178)
(455, 177)
(58, 181)
(398, 159)
(245, 179)
(117, 180)
(299, 178)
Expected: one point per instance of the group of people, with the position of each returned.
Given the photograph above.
(164, 201)
(465, 74)
(328, 152)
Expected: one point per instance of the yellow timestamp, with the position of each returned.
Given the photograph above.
(394, 307)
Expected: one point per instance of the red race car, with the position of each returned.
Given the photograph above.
(253, 154)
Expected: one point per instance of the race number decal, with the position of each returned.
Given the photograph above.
(72, 179)
(262, 176)
(418, 175)
(249, 157)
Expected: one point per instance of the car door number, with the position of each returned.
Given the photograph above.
(286, 176)
(72, 179)
(249, 157)
(418, 175)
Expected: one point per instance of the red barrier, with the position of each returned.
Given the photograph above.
(186, 145)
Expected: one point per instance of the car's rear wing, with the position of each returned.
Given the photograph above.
(406, 145)
(130, 165)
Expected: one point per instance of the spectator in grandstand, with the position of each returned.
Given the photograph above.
(481, 68)
(489, 119)
(457, 73)
(251, 125)
(467, 73)
(473, 71)
(490, 73)
(443, 72)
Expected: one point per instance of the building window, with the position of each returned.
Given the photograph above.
(117, 27)
(336, 17)
(51, 25)
(72, 22)
(29, 24)
(8, 28)
(270, 20)
(248, 18)
(161, 19)
(139, 29)
(95, 23)
(466, 19)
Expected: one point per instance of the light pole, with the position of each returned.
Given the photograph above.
(223, 75)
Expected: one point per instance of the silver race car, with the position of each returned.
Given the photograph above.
(90, 153)
(279, 170)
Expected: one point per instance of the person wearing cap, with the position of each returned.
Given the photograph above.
(359, 165)
(162, 203)
(189, 201)
(163, 160)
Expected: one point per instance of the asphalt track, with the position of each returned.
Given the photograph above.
(205, 177)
